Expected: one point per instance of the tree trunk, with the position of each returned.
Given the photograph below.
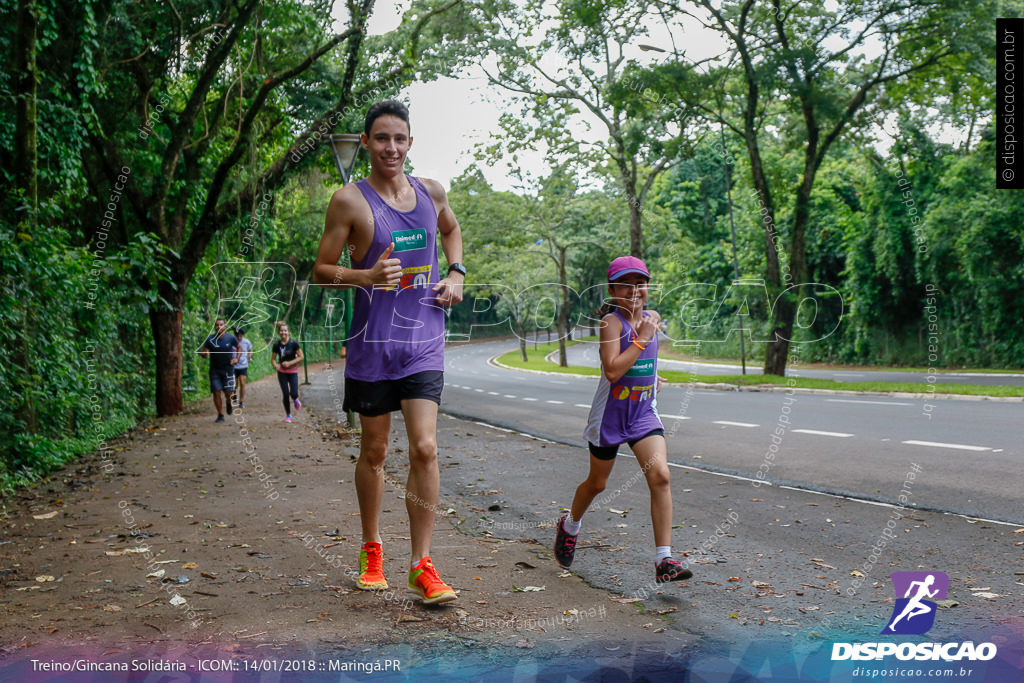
(25, 169)
(776, 351)
(167, 343)
(636, 234)
(784, 314)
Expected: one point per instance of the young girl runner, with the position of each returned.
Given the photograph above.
(624, 411)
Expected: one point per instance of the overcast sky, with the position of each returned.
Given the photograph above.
(451, 116)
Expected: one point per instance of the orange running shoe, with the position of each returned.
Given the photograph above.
(424, 580)
(371, 568)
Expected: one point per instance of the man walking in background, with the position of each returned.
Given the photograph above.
(242, 366)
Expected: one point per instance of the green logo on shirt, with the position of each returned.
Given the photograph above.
(642, 368)
(407, 240)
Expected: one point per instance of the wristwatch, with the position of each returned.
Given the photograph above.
(458, 268)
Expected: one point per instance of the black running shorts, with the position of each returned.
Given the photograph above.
(379, 398)
(609, 452)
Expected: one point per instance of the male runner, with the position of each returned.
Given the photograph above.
(391, 223)
(221, 348)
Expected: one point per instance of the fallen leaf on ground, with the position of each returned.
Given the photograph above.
(45, 578)
(409, 617)
(854, 572)
(111, 608)
(48, 515)
(529, 589)
(127, 551)
(190, 565)
(946, 604)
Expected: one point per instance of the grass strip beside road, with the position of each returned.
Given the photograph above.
(537, 362)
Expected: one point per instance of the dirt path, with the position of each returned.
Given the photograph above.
(261, 554)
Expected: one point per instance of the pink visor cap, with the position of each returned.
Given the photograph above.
(624, 265)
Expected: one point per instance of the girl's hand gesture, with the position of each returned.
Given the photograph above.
(648, 326)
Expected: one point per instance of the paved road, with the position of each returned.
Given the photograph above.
(586, 354)
(968, 451)
(773, 565)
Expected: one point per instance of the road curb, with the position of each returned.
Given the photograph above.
(772, 388)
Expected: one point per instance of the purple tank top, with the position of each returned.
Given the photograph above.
(399, 331)
(626, 409)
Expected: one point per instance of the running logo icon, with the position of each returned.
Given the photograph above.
(914, 613)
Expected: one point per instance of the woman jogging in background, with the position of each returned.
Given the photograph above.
(242, 366)
(624, 411)
(285, 357)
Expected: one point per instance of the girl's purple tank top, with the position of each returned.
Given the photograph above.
(399, 331)
(626, 409)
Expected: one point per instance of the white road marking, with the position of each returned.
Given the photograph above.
(557, 403)
(937, 444)
(820, 433)
(877, 403)
(529, 399)
(735, 424)
(479, 390)
(583, 405)
(509, 396)
(675, 417)
(493, 393)
(558, 381)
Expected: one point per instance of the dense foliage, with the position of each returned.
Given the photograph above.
(153, 155)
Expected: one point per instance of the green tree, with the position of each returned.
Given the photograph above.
(579, 59)
(208, 102)
(803, 77)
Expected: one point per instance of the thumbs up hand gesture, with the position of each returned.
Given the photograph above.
(386, 272)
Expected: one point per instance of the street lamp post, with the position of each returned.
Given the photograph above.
(301, 285)
(330, 342)
(345, 149)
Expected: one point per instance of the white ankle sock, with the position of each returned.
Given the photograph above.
(663, 552)
(572, 528)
